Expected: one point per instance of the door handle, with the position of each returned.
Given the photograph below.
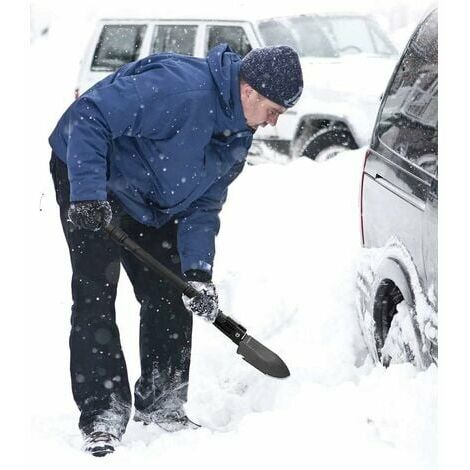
(408, 197)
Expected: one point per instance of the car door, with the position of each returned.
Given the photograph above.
(401, 169)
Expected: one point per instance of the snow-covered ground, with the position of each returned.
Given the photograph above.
(285, 268)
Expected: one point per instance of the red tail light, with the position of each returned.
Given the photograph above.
(368, 152)
(77, 93)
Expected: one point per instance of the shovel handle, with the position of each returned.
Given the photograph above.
(225, 324)
(122, 239)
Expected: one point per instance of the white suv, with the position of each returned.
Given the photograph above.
(346, 59)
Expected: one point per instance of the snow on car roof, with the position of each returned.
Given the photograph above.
(252, 15)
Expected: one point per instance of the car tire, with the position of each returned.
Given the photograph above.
(326, 143)
(388, 318)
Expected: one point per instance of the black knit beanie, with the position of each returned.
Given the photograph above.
(275, 73)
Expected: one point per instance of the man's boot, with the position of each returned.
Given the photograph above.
(100, 444)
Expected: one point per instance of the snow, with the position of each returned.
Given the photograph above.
(286, 261)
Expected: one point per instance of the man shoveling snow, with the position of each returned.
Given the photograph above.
(153, 147)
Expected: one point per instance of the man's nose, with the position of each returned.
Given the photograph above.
(273, 120)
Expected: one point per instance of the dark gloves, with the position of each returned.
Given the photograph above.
(90, 215)
(206, 304)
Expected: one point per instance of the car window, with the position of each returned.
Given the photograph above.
(234, 36)
(352, 35)
(118, 45)
(301, 33)
(326, 36)
(275, 33)
(408, 123)
(174, 38)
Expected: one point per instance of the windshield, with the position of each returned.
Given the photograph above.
(329, 36)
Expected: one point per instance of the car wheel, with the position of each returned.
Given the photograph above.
(396, 337)
(327, 143)
(388, 321)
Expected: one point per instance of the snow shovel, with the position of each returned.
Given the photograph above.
(256, 354)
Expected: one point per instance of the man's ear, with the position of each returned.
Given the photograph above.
(246, 89)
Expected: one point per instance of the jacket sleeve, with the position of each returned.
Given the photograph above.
(200, 224)
(128, 106)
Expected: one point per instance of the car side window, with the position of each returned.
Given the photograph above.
(118, 44)
(234, 36)
(174, 38)
(408, 123)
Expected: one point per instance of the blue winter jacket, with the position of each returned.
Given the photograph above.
(166, 135)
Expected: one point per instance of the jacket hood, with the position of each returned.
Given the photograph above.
(224, 66)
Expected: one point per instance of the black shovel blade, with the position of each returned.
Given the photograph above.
(262, 358)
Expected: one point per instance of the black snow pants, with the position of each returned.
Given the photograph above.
(100, 384)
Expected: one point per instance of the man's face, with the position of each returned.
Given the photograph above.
(258, 110)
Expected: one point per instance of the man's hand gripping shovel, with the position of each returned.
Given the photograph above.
(256, 354)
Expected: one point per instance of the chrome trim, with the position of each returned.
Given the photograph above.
(415, 201)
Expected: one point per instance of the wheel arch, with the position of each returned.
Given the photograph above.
(381, 272)
(391, 269)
